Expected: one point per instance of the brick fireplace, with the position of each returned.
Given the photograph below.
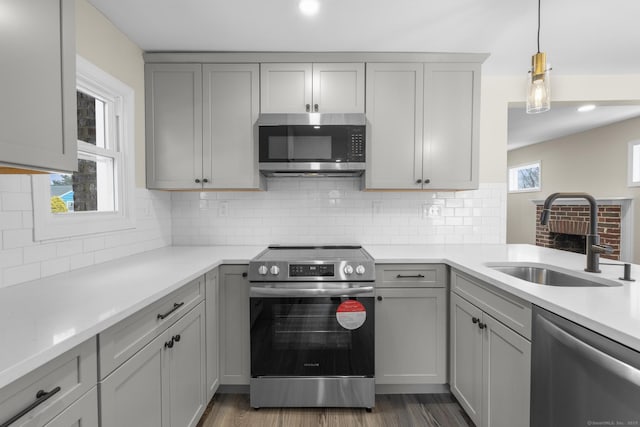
(569, 224)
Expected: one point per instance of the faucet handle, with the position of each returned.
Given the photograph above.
(601, 249)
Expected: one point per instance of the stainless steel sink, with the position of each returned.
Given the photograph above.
(543, 275)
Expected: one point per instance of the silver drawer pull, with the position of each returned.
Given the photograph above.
(176, 306)
(415, 276)
(41, 396)
(287, 293)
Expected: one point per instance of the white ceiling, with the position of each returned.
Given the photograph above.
(579, 36)
(562, 120)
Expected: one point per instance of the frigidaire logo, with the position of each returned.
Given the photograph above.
(312, 365)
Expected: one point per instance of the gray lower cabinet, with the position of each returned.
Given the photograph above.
(212, 298)
(163, 384)
(235, 362)
(411, 324)
(490, 370)
(38, 86)
(83, 412)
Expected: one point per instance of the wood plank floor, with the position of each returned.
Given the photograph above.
(429, 410)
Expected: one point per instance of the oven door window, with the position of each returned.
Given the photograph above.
(302, 337)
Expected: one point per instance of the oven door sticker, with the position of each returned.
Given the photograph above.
(351, 314)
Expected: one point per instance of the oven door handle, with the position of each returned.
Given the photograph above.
(288, 292)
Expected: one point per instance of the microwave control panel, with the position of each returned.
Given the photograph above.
(356, 144)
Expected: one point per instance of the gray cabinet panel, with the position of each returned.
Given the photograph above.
(38, 85)
(394, 98)
(410, 336)
(466, 357)
(212, 338)
(173, 96)
(285, 88)
(231, 108)
(235, 368)
(411, 275)
(82, 413)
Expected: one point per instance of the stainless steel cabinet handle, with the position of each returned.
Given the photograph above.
(287, 292)
(176, 306)
(613, 365)
(41, 396)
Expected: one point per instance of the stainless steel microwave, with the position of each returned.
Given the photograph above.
(311, 144)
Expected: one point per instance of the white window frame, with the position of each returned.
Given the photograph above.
(512, 174)
(46, 226)
(633, 168)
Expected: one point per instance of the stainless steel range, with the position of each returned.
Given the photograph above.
(312, 327)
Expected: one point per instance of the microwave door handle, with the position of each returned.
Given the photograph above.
(287, 292)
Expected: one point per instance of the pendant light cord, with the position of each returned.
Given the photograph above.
(539, 26)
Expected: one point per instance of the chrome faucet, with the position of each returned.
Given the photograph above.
(594, 248)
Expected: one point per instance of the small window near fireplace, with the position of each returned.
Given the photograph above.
(524, 178)
(634, 164)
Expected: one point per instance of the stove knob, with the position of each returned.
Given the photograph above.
(275, 270)
(348, 269)
(262, 270)
(360, 270)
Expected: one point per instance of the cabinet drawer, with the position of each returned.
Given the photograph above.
(411, 276)
(83, 412)
(508, 309)
(124, 339)
(64, 379)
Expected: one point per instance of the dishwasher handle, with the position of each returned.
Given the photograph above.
(289, 292)
(616, 367)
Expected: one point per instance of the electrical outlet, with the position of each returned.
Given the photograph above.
(376, 208)
(430, 211)
(223, 208)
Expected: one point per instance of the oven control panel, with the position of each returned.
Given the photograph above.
(311, 270)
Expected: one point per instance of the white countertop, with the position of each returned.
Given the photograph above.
(44, 318)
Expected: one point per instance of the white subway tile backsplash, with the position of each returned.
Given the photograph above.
(336, 211)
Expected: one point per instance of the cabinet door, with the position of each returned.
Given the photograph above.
(185, 362)
(235, 359)
(466, 356)
(507, 376)
(338, 88)
(231, 108)
(285, 88)
(452, 103)
(82, 413)
(132, 394)
(38, 85)
(212, 335)
(173, 96)
(410, 336)
(394, 135)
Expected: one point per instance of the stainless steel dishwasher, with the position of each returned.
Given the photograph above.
(581, 378)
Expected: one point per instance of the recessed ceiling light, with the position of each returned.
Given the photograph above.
(309, 7)
(587, 107)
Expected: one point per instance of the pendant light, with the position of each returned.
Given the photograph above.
(538, 90)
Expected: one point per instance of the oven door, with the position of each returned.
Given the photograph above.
(310, 331)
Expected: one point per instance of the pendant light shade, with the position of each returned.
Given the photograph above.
(538, 86)
(538, 91)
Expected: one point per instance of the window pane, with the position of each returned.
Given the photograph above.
(525, 178)
(91, 119)
(91, 189)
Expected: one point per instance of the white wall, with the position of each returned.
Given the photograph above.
(322, 210)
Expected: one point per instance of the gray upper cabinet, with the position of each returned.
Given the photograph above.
(38, 86)
(231, 107)
(423, 125)
(317, 87)
(173, 95)
(200, 126)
